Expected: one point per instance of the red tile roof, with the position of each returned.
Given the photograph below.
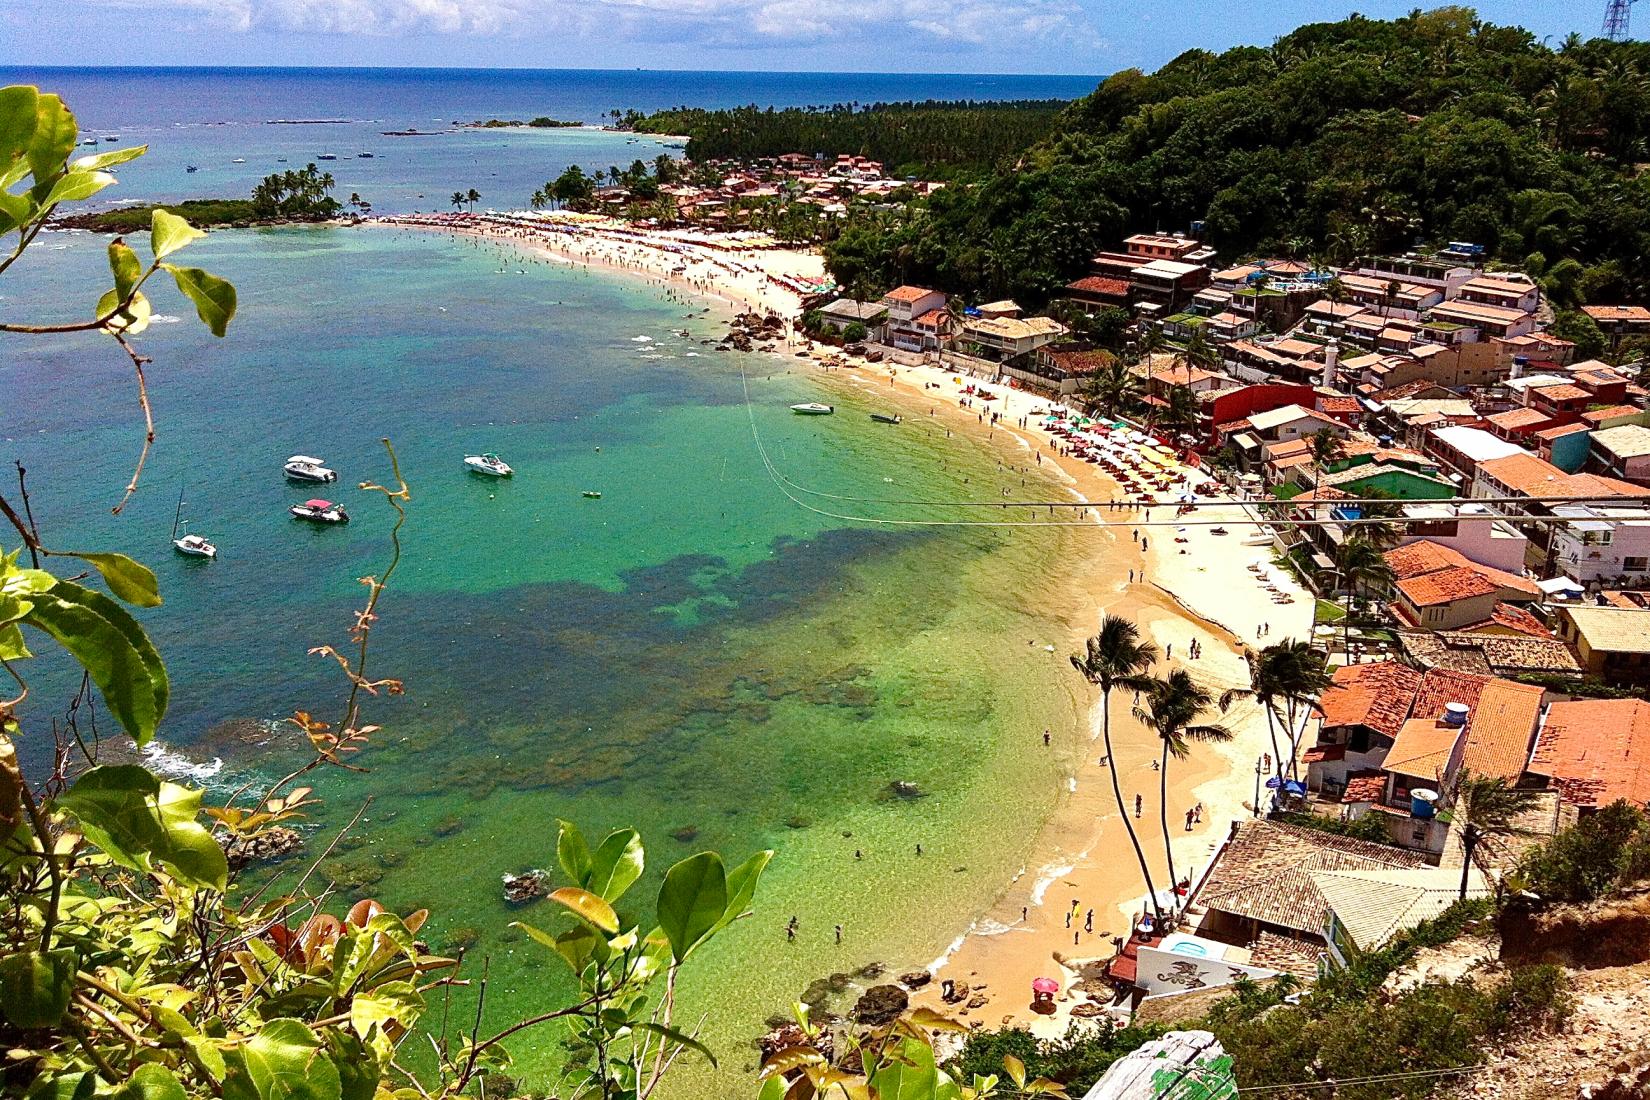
(1518, 418)
(1563, 391)
(1375, 695)
(1421, 557)
(1365, 787)
(1599, 416)
(1514, 618)
(1596, 751)
(1422, 748)
(1101, 284)
(1444, 586)
(908, 293)
(934, 318)
(1617, 313)
(1500, 729)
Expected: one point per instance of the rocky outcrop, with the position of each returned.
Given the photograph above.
(1583, 937)
(881, 1004)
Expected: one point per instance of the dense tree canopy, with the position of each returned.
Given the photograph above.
(1339, 140)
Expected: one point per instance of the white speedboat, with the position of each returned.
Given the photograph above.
(320, 511)
(489, 464)
(813, 408)
(307, 468)
(194, 546)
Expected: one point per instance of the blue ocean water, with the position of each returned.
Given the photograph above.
(212, 118)
(691, 654)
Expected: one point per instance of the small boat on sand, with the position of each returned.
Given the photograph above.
(886, 418)
(489, 464)
(320, 511)
(307, 468)
(813, 408)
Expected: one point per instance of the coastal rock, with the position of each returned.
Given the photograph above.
(881, 1004)
(871, 970)
(915, 979)
(954, 992)
(904, 788)
(265, 847)
(686, 834)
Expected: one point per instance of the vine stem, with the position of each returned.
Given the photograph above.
(148, 418)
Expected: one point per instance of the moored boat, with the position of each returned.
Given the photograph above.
(319, 511)
(307, 468)
(886, 418)
(592, 494)
(813, 408)
(195, 546)
(489, 464)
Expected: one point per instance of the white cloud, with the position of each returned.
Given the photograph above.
(743, 23)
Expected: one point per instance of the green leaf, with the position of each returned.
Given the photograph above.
(693, 899)
(371, 1013)
(108, 160)
(587, 907)
(908, 1075)
(14, 210)
(55, 132)
(214, 298)
(111, 647)
(126, 266)
(285, 1061)
(573, 853)
(616, 865)
(168, 233)
(35, 987)
(73, 186)
(127, 579)
(70, 1086)
(151, 1082)
(11, 643)
(577, 945)
(742, 882)
(139, 820)
(131, 320)
(19, 112)
(208, 1053)
(675, 1036)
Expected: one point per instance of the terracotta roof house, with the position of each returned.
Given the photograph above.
(1611, 642)
(1439, 588)
(1488, 654)
(1369, 907)
(1595, 751)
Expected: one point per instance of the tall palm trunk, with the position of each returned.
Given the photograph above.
(1163, 816)
(1123, 810)
(1272, 732)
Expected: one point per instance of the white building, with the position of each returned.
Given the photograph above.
(1604, 543)
(1474, 531)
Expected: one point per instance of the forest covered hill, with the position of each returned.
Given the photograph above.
(1338, 140)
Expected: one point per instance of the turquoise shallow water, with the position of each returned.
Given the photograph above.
(690, 651)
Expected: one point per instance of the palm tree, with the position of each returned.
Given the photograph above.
(1485, 806)
(537, 200)
(1115, 388)
(1326, 446)
(1198, 352)
(1118, 657)
(1181, 411)
(457, 199)
(1147, 343)
(1286, 679)
(472, 198)
(1362, 565)
(1173, 706)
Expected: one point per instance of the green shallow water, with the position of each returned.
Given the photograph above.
(692, 650)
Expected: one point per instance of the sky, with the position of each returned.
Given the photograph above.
(969, 36)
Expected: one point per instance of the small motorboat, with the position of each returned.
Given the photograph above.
(319, 511)
(238, 160)
(591, 494)
(89, 141)
(489, 464)
(886, 418)
(195, 546)
(307, 468)
(364, 155)
(112, 138)
(813, 408)
(327, 156)
(190, 168)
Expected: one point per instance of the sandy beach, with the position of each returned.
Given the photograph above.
(1183, 585)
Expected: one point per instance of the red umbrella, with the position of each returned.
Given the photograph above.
(318, 504)
(1045, 985)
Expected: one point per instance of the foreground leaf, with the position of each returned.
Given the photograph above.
(168, 233)
(675, 1036)
(35, 987)
(130, 319)
(284, 1061)
(692, 901)
(139, 820)
(587, 907)
(125, 266)
(616, 865)
(214, 298)
(113, 649)
(151, 1082)
(126, 578)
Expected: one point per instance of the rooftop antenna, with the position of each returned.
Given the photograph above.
(1616, 13)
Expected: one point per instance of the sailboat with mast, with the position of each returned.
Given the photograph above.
(191, 546)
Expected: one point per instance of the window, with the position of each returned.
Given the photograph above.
(1418, 835)
(1635, 565)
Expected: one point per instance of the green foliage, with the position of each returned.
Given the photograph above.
(1603, 852)
(1075, 1060)
(135, 219)
(1589, 688)
(1581, 330)
(853, 332)
(302, 195)
(1348, 139)
(926, 137)
(1369, 827)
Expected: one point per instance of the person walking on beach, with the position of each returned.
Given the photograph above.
(839, 935)
(1045, 739)
(1088, 921)
(1189, 816)
(1137, 805)
(790, 931)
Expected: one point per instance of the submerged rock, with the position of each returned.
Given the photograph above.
(686, 834)
(266, 847)
(525, 887)
(915, 979)
(904, 788)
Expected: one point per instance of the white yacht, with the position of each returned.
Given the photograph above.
(320, 511)
(195, 546)
(489, 464)
(307, 468)
(813, 408)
